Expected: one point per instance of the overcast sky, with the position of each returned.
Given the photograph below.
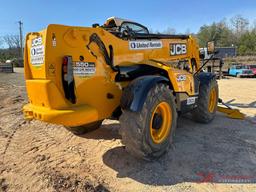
(183, 15)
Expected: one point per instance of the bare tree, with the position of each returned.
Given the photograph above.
(12, 41)
(1, 42)
(150, 30)
(170, 31)
(254, 24)
(239, 24)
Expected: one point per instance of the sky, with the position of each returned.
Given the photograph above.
(184, 15)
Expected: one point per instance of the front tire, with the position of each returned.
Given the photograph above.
(207, 102)
(147, 134)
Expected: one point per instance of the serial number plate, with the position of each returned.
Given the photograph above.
(82, 69)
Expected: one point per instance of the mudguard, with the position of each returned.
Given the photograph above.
(205, 78)
(135, 94)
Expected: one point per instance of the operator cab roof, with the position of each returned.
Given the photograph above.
(116, 21)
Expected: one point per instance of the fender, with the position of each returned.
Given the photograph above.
(135, 94)
(205, 78)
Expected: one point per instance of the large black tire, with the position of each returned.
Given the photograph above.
(202, 113)
(83, 129)
(136, 127)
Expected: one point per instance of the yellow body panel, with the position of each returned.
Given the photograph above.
(44, 93)
(74, 116)
(44, 83)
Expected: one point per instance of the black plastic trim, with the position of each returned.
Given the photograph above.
(135, 94)
(205, 77)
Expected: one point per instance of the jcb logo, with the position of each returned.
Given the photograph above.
(37, 41)
(178, 49)
(181, 77)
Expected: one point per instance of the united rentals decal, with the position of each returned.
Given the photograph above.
(140, 45)
(37, 51)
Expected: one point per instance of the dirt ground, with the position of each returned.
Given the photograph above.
(36, 156)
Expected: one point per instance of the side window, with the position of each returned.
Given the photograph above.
(133, 27)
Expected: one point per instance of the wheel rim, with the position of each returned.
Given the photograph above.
(212, 100)
(161, 121)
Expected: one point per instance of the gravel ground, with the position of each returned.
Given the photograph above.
(36, 156)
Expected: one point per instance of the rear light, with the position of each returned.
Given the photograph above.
(68, 79)
(65, 68)
(65, 60)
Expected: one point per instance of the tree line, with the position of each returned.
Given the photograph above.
(9, 47)
(237, 32)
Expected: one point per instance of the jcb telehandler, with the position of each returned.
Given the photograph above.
(79, 76)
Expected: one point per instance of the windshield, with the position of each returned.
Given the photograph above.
(133, 27)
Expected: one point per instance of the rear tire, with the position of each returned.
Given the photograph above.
(147, 134)
(207, 103)
(83, 129)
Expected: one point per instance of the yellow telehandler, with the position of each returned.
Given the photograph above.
(79, 76)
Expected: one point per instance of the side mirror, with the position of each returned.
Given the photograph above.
(210, 47)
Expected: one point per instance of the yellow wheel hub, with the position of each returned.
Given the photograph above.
(212, 100)
(161, 121)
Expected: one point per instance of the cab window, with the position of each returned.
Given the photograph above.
(137, 28)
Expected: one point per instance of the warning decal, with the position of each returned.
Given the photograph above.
(83, 69)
